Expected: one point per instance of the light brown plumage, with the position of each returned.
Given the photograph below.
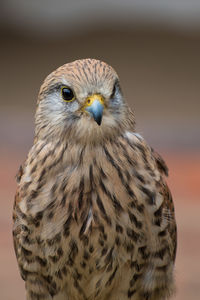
(93, 216)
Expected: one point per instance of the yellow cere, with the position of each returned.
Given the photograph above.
(92, 98)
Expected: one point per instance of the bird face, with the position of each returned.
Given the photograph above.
(82, 99)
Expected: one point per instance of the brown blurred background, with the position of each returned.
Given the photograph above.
(155, 47)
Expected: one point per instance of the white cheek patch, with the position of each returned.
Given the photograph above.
(54, 107)
(54, 102)
(57, 109)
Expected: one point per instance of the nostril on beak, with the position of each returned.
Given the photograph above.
(96, 111)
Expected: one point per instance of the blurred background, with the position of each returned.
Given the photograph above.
(155, 47)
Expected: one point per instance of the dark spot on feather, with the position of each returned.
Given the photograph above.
(101, 242)
(104, 251)
(160, 254)
(144, 252)
(150, 195)
(108, 258)
(102, 209)
(117, 241)
(162, 233)
(129, 247)
(26, 252)
(54, 258)
(81, 188)
(56, 239)
(131, 293)
(63, 201)
(134, 279)
(60, 252)
(132, 234)
(86, 255)
(83, 264)
(162, 268)
(157, 222)
(50, 215)
(111, 277)
(91, 249)
(64, 270)
(66, 226)
(158, 212)
(41, 261)
(134, 220)
(42, 174)
(33, 169)
(119, 228)
(58, 274)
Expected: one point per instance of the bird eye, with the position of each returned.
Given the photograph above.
(115, 87)
(113, 91)
(67, 94)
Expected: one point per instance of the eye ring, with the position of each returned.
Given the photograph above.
(67, 94)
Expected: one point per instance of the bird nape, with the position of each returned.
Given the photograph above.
(93, 216)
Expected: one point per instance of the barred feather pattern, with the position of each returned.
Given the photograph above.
(95, 220)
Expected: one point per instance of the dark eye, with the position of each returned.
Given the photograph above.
(113, 91)
(67, 94)
(115, 88)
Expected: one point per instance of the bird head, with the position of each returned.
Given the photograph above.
(82, 100)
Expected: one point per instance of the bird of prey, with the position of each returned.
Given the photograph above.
(93, 216)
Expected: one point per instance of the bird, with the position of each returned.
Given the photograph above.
(93, 216)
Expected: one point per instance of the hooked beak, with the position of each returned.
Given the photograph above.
(95, 105)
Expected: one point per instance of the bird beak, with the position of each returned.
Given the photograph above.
(95, 105)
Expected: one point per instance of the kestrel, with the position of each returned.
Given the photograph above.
(93, 216)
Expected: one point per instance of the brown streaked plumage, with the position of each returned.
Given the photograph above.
(93, 216)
